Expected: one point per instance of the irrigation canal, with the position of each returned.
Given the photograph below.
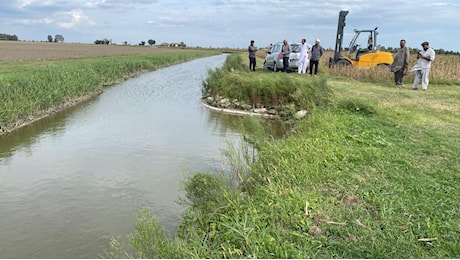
(71, 182)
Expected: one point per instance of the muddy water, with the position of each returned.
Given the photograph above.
(71, 182)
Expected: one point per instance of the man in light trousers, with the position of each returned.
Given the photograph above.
(423, 66)
(303, 59)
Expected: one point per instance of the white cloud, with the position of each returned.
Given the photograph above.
(71, 19)
(234, 22)
(45, 20)
(21, 4)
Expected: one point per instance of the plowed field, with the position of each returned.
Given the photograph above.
(28, 51)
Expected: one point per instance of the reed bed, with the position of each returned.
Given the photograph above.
(444, 71)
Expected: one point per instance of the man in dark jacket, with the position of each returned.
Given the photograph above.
(316, 53)
(400, 63)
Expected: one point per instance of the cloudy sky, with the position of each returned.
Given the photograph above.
(232, 23)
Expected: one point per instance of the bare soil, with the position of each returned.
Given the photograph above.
(32, 51)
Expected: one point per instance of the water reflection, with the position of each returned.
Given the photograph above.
(25, 136)
(224, 122)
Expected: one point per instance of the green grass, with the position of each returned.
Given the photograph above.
(26, 88)
(374, 175)
(287, 93)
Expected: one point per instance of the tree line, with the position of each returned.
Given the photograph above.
(415, 50)
(151, 42)
(7, 37)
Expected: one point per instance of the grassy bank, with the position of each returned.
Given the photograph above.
(31, 89)
(375, 174)
(283, 93)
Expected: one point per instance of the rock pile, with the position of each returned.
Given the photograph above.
(226, 105)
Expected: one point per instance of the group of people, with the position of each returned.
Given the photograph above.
(400, 65)
(309, 56)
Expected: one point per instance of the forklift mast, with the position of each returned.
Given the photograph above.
(339, 37)
(360, 54)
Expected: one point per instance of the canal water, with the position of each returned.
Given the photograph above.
(71, 182)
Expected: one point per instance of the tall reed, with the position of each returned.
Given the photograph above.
(444, 70)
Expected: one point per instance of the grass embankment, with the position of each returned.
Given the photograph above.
(282, 93)
(375, 174)
(31, 89)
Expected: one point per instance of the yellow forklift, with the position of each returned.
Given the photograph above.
(362, 52)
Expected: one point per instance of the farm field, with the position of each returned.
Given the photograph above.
(32, 51)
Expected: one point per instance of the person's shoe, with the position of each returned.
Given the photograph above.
(424, 89)
(414, 88)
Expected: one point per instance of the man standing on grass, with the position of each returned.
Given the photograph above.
(400, 63)
(285, 52)
(252, 56)
(316, 53)
(423, 66)
(303, 59)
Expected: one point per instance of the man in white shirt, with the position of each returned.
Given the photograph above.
(305, 48)
(423, 66)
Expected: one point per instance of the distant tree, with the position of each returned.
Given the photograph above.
(58, 38)
(151, 42)
(50, 38)
(182, 45)
(104, 41)
(142, 43)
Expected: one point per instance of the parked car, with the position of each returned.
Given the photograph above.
(274, 62)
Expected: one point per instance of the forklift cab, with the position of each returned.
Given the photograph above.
(361, 45)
